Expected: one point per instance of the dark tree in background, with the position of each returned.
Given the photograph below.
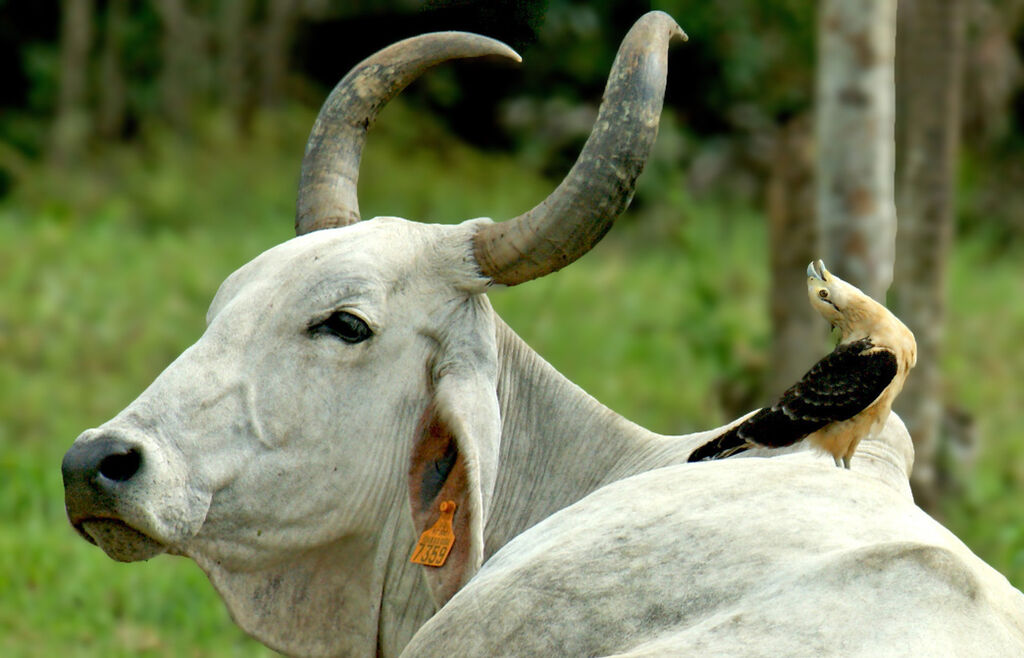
(184, 48)
(112, 86)
(71, 118)
(233, 34)
(798, 335)
(278, 32)
(929, 59)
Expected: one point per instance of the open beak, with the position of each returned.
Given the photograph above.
(816, 270)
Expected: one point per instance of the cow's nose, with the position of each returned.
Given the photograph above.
(101, 462)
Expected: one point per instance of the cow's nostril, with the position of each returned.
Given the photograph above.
(121, 466)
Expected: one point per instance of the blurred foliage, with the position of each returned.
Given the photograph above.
(747, 69)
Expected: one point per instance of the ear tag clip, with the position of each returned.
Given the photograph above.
(436, 541)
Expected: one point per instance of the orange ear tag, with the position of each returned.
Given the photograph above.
(436, 541)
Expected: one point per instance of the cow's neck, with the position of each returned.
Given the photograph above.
(406, 603)
(558, 443)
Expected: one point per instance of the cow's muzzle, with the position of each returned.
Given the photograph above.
(99, 473)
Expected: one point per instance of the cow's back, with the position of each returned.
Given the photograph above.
(742, 557)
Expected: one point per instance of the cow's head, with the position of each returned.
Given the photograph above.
(347, 378)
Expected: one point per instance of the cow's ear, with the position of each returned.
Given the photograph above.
(453, 466)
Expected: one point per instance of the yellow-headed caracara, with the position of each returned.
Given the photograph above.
(845, 396)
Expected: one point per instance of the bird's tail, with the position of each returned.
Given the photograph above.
(724, 445)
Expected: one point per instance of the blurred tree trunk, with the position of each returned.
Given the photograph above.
(71, 122)
(182, 75)
(798, 335)
(234, 61)
(929, 59)
(275, 49)
(174, 72)
(112, 88)
(854, 134)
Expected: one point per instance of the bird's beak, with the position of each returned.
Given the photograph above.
(816, 270)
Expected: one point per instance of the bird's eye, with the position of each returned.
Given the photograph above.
(343, 325)
(823, 294)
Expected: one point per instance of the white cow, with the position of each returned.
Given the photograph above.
(353, 380)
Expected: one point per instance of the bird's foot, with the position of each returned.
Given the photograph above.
(842, 462)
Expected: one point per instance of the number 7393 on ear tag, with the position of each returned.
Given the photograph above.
(436, 541)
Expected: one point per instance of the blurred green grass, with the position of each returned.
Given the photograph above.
(107, 270)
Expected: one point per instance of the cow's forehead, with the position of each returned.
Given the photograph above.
(381, 243)
(381, 253)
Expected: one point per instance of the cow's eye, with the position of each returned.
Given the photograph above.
(343, 325)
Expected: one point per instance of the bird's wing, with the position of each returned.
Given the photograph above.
(837, 388)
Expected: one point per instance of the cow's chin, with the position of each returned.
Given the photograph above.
(120, 541)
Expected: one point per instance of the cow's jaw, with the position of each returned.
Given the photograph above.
(119, 540)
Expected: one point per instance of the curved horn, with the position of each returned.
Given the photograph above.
(330, 167)
(600, 185)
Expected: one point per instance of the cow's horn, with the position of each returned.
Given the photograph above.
(600, 185)
(330, 167)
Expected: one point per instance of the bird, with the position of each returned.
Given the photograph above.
(845, 396)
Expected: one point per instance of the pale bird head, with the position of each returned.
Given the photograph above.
(836, 300)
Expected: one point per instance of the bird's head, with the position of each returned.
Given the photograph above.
(842, 304)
